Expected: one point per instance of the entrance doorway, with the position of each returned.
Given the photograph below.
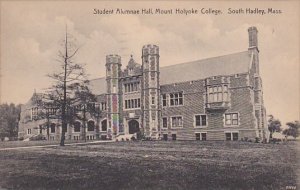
(134, 128)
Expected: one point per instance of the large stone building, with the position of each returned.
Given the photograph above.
(218, 98)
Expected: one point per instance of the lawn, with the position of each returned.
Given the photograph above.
(152, 165)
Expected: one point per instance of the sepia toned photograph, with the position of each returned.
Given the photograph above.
(149, 95)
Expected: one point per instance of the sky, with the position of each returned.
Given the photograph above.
(31, 34)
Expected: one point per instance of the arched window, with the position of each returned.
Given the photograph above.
(91, 125)
(104, 125)
(52, 128)
(77, 126)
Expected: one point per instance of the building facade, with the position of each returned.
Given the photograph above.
(219, 98)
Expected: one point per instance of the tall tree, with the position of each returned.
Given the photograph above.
(9, 118)
(70, 79)
(293, 129)
(274, 125)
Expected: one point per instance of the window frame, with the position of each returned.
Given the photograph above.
(176, 97)
(166, 119)
(195, 121)
(94, 127)
(217, 93)
(164, 100)
(79, 127)
(51, 131)
(177, 126)
(132, 104)
(231, 135)
(200, 136)
(231, 124)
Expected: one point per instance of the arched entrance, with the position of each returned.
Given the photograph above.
(134, 128)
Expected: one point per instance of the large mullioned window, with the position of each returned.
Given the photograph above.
(132, 87)
(231, 119)
(133, 103)
(176, 121)
(200, 120)
(176, 99)
(218, 93)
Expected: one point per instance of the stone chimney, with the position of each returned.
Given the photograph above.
(252, 31)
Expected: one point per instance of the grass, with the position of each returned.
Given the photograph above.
(13, 144)
(152, 165)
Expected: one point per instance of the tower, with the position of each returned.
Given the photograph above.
(260, 111)
(114, 99)
(150, 91)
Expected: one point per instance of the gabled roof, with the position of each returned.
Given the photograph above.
(201, 69)
(223, 65)
(98, 86)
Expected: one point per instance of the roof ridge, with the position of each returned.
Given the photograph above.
(97, 78)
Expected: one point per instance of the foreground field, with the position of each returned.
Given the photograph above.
(152, 165)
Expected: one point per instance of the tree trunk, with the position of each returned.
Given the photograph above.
(63, 115)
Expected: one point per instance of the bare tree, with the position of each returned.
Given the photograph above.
(70, 80)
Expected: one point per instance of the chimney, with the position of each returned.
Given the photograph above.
(252, 31)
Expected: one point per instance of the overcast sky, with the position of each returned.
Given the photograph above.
(31, 34)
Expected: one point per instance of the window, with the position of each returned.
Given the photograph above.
(91, 126)
(218, 93)
(176, 121)
(104, 125)
(235, 136)
(103, 106)
(77, 126)
(232, 136)
(52, 128)
(133, 103)
(28, 131)
(34, 113)
(51, 111)
(131, 87)
(164, 100)
(200, 120)
(174, 137)
(165, 137)
(152, 100)
(176, 99)
(201, 136)
(165, 122)
(228, 136)
(231, 119)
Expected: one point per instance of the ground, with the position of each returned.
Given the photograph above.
(152, 165)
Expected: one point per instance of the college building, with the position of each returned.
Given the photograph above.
(219, 98)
